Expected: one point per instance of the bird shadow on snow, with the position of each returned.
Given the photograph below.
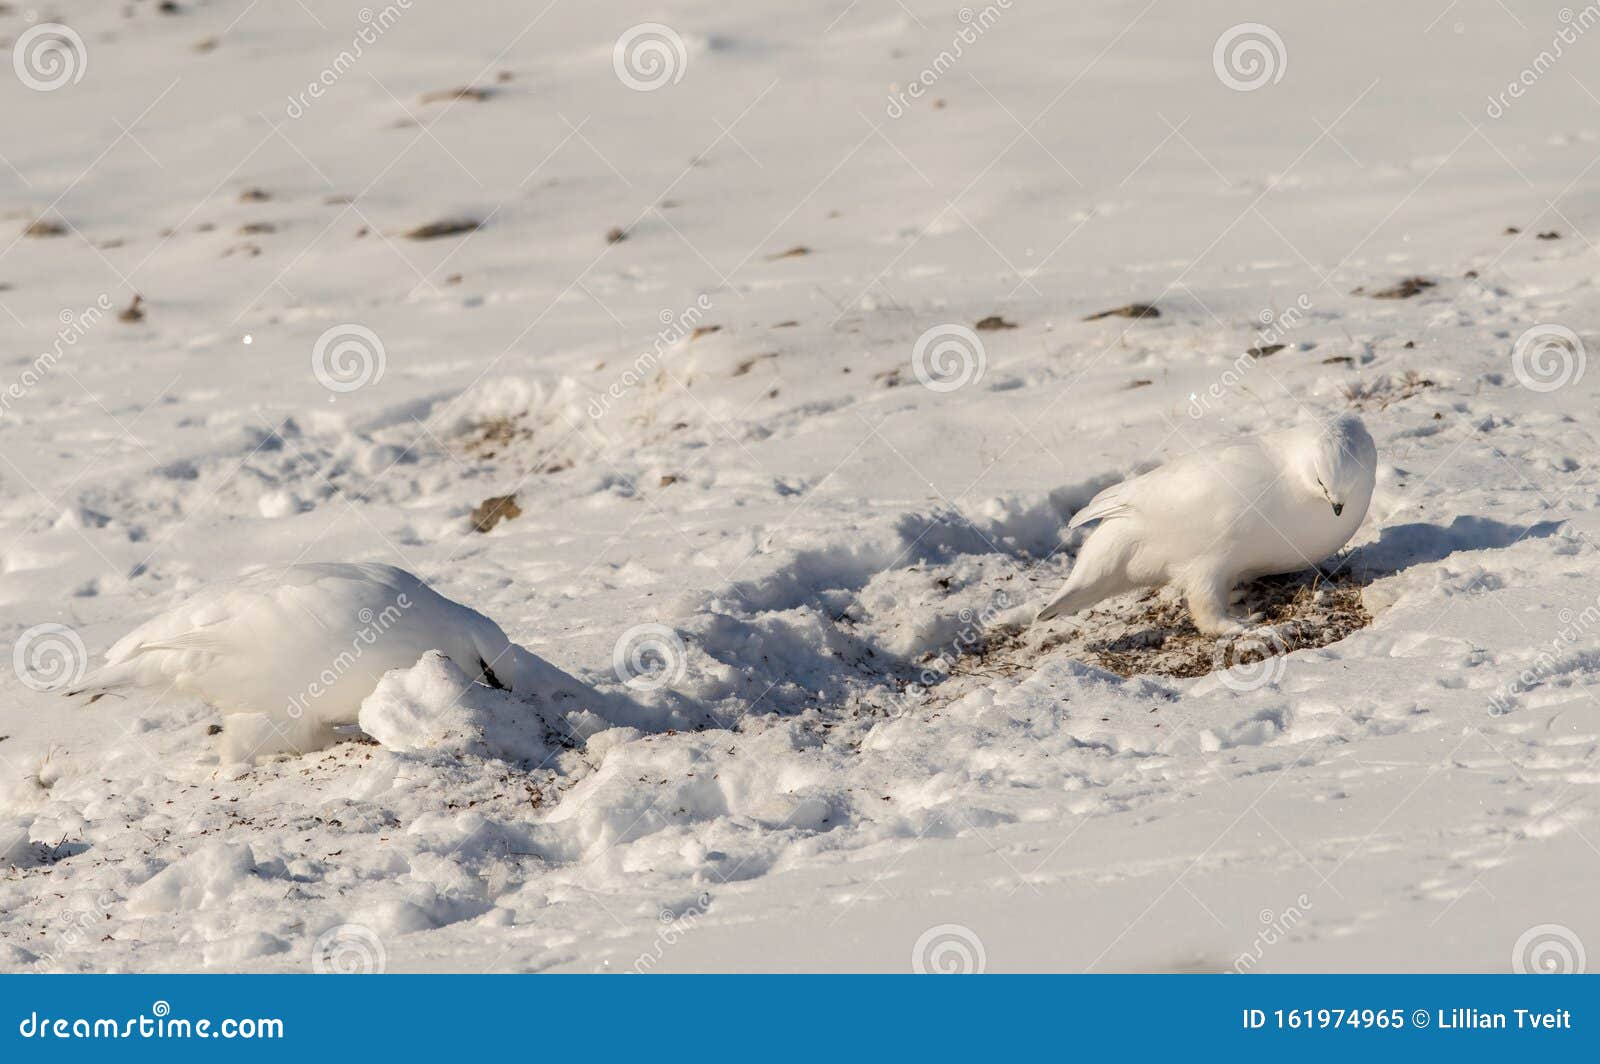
(1402, 547)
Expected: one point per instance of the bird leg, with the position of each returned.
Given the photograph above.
(1237, 597)
(1208, 596)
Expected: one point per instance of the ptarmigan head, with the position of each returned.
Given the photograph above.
(1339, 461)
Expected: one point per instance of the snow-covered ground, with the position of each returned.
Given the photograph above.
(754, 447)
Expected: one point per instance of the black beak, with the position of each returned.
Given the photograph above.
(1338, 508)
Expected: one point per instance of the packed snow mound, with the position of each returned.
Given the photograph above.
(14, 842)
(204, 879)
(434, 706)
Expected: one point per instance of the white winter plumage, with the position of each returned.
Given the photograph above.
(289, 653)
(1277, 503)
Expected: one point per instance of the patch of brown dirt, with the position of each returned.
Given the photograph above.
(488, 438)
(1152, 634)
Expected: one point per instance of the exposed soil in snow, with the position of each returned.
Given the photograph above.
(1152, 633)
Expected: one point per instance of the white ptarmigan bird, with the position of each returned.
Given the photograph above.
(1231, 512)
(289, 653)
